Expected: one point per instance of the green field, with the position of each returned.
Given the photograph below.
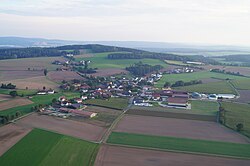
(243, 84)
(204, 107)
(43, 148)
(19, 91)
(186, 77)
(115, 103)
(214, 87)
(237, 113)
(101, 61)
(181, 144)
(179, 63)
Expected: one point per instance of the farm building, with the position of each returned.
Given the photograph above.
(226, 96)
(177, 102)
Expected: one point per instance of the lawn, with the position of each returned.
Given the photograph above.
(115, 103)
(181, 144)
(210, 88)
(45, 148)
(243, 84)
(237, 113)
(204, 107)
(172, 78)
(100, 61)
(20, 92)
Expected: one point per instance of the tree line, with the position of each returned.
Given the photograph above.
(140, 69)
(182, 83)
(226, 72)
(8, 86)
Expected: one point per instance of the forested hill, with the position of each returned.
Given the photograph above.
(124, 53)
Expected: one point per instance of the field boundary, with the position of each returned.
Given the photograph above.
(210, 118)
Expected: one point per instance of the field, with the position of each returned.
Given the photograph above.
(44, 148)
(33, 83)
(171, 62)
(181, 144)
(67, 127)
(115, 103)
(59, 76)
(244, 96)
(101, 61)
(210, 88)
(10, 135)
(172, 78)
(19, 74)
(169, 113)
(180, 128)
(104, 118)
(4, 97)
(109, 72)
(122, 156)
(243, 84)
(237, 113)
(4, 105)
(32, 63)
(204, 107)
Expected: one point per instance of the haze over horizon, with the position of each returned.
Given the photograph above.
(224, 22)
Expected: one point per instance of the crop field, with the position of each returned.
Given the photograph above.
(4, 97)
(32, 63)
(237, 113)
(215, 87)
(181, 144)
(59, 76)
(180, 128)
(9, 135)
(204, 107)
(115, 103)
(101, 61)
(72, 128)
(33, 83)
(244, 96)
(123, 156)
(109, 72)
(19, 74)
(45, 148)
(4, 105)
(242, 84)
(172, 78)
(170, 113)
(171, 62)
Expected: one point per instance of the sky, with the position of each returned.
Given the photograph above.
(224, 22)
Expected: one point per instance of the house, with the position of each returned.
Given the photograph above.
(62, 98)
(177, 102)
(84, 97)
(51, 91)
(41, 93)
(156, 96)
(78, 100)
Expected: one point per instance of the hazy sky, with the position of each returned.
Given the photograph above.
(188, 21)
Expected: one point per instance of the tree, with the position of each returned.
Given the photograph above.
(13, 93)
(54, 100)
(44, 88)
(18, 113)
(167, 84)
(239, 127)
(45, 72)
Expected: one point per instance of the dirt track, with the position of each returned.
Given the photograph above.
(14, 103)
(10, 135)
(68, 127)
(114, 156)
(178, 128)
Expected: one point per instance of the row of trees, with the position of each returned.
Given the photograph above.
(5, 119)
(182, 83)
(140, 69)
(8, 86)
(226, 72)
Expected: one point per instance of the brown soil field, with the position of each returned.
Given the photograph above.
(179, 128)
(33, 83)
(59, 76)
(122, 156)
(109, 72)
(10, 135)
(5, 97)
(243, 70)
(244, 96)
(19, 74)
(32, 63)
(14, 103)
(169, 113)
(63, 126)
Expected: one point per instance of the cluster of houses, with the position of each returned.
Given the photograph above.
(180, 70)
(65, 108)
(166, 98)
